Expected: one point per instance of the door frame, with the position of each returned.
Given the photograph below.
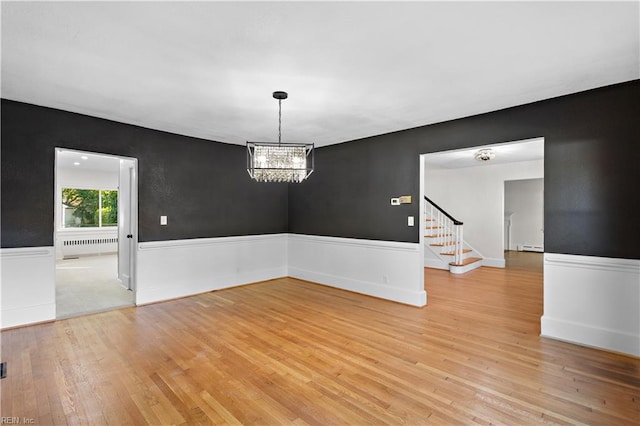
(129, 227)
(133, 207)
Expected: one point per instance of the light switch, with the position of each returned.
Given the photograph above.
(410, 220)
(163, 220)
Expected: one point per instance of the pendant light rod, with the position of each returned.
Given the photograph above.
(280, 95)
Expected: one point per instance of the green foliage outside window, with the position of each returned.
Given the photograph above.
(109, 208)
(89, 208)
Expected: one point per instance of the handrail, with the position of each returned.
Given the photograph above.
(455, 222)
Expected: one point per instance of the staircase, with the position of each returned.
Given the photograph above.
(445, 245)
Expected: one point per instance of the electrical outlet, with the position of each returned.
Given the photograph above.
(409, 220)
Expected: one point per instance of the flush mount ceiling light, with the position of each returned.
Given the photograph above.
(485, 155)
(279, 162)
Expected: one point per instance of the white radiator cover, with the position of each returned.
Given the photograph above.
(530, 247)
(72, 243)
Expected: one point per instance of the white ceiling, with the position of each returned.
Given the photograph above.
(509, 152)
(352, 69)
(76, 160)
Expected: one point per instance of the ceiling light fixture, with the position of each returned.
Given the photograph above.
(485, 155)
(279, 162)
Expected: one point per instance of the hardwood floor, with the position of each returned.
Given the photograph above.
(291, 352)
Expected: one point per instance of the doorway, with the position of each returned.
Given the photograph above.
(470, 187)
(524, 224)
(95, 232)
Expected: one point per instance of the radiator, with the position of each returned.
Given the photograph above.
(85, 246)
(528, 247)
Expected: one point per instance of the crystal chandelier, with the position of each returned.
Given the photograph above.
(279, 162)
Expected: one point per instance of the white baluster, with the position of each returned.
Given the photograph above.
(461, 244)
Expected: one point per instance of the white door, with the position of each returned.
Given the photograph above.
(126, 222)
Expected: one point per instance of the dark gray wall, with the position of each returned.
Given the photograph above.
(592, 173)
(201, 185)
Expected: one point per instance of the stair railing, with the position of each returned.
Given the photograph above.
(448, 231)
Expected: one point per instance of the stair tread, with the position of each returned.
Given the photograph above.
(466, 261)
(442, 244)
(451, 253)
(438, 236)
(433, 227)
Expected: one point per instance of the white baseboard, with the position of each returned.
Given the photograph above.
(192, 285)
(171, 269)
(435, 264)
(588, 335)
(592, 301)
(385, 269)
(493, 262)
(28, 292)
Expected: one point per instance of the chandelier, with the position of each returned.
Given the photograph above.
(279, 162)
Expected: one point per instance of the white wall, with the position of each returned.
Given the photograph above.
(87, 179)
(178, 268)
(524, 202)
(170, 269)
(592, 301)
(28, 287)
(475, 196)
(386, 269)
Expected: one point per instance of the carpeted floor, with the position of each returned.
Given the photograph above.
(89, 284)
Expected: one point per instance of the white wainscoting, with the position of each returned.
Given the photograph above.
(592, 301)
(385, 269)
(172, 269)
(28, 290)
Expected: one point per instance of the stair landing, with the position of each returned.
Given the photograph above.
(465, 265)
(466, 261)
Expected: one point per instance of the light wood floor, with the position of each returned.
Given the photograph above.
(292, 352)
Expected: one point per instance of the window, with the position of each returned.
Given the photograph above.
(89, 208)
